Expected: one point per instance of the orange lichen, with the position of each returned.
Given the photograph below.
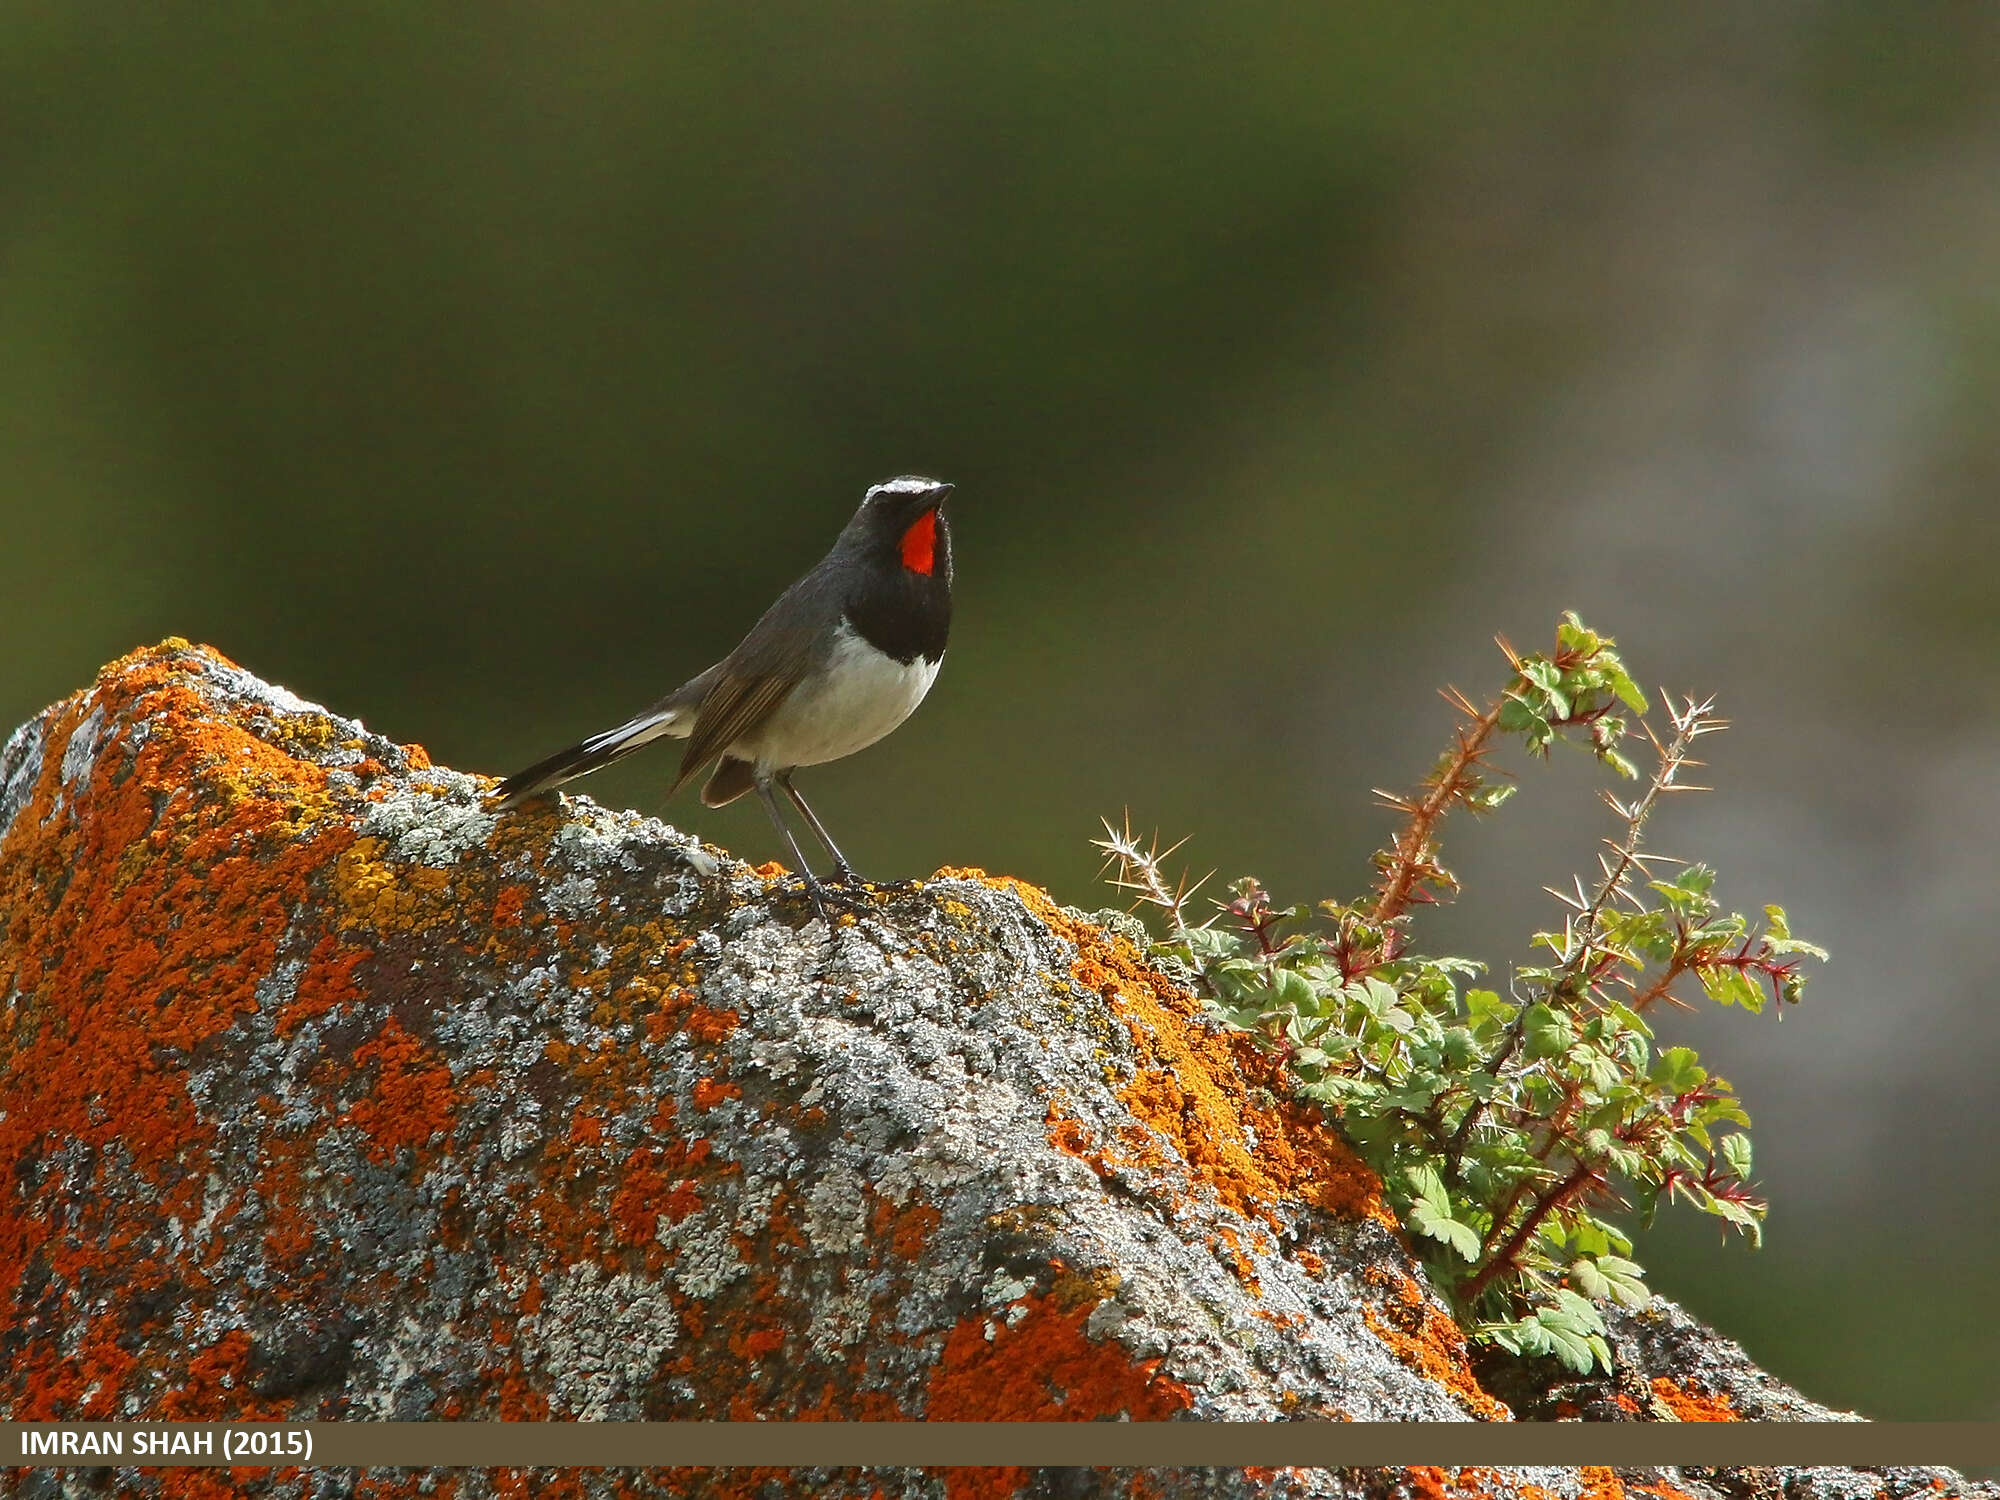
(147, 886)
(657, 1183)
(756, 1343)
(328, 982)
(217, 1386)
(907, 1231)
(411, 1102)
(708, 1092)
(509, 904)
(1599, 1484)
(144, 904)
(1692, 1405)
(1072, 1137)
(290, 1229)
(1419, 1334)
(1035, 1364)
(706, 1025)
(1194, 1087)
(1230, 1244)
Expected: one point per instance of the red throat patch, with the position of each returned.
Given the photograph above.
(920, 544)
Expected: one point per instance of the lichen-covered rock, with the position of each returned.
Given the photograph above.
(326, 1093)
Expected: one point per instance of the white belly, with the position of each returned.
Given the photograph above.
(862, 695)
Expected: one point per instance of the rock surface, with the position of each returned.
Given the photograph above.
(327, 1094)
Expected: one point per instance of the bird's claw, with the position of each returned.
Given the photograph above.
(849, 894)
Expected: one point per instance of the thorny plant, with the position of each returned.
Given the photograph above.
(1507, 1129)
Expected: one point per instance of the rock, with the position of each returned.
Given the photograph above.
(328, 1094)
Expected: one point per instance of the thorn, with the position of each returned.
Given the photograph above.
(1459, 701)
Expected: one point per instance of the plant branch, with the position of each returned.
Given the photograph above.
(1410, 864)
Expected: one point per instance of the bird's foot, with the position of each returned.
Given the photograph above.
(848, 894)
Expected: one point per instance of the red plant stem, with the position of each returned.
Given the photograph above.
(1400, 879)
(1658, 989)
(1544, 1206)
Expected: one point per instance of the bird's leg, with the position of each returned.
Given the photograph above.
(812, 885)
(842, 870)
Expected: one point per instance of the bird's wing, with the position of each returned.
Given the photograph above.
(744, 688)
(735, 706)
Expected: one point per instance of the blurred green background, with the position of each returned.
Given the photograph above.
(483, 371)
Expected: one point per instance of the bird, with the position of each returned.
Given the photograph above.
(843, 657)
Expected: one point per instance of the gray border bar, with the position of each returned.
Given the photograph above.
(1311, 1444)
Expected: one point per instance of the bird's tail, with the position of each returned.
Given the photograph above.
(592, 754)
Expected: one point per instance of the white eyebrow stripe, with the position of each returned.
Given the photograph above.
(905, 486)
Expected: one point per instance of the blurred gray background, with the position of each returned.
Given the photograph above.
(483, 371)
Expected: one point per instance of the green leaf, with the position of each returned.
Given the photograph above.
(1207, 945)
(1778, 934)
(1535, 730)
(1719, 931)
(1688, 893)
(1626, 1159)
(1375, 996)
(1731, 986)
(1430, 1212)
(1631, 1020)
(1586, 1278)
(1543, 674)
(1416, 1098)
(1460, 1237)
(1570, 1330)
(1457, 1048)
(1238, 978)
(1291, 990)
(1748, 1218)
(1677, 1070)
(1545, 1033)
(1489, 795)
(1596, 1068)
(1624, 687)
(1572, 635)
(1735, 1151)
(1427, 1182)
(1610, 1278)
(1620, 765)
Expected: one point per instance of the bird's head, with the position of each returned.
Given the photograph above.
(904, 518)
